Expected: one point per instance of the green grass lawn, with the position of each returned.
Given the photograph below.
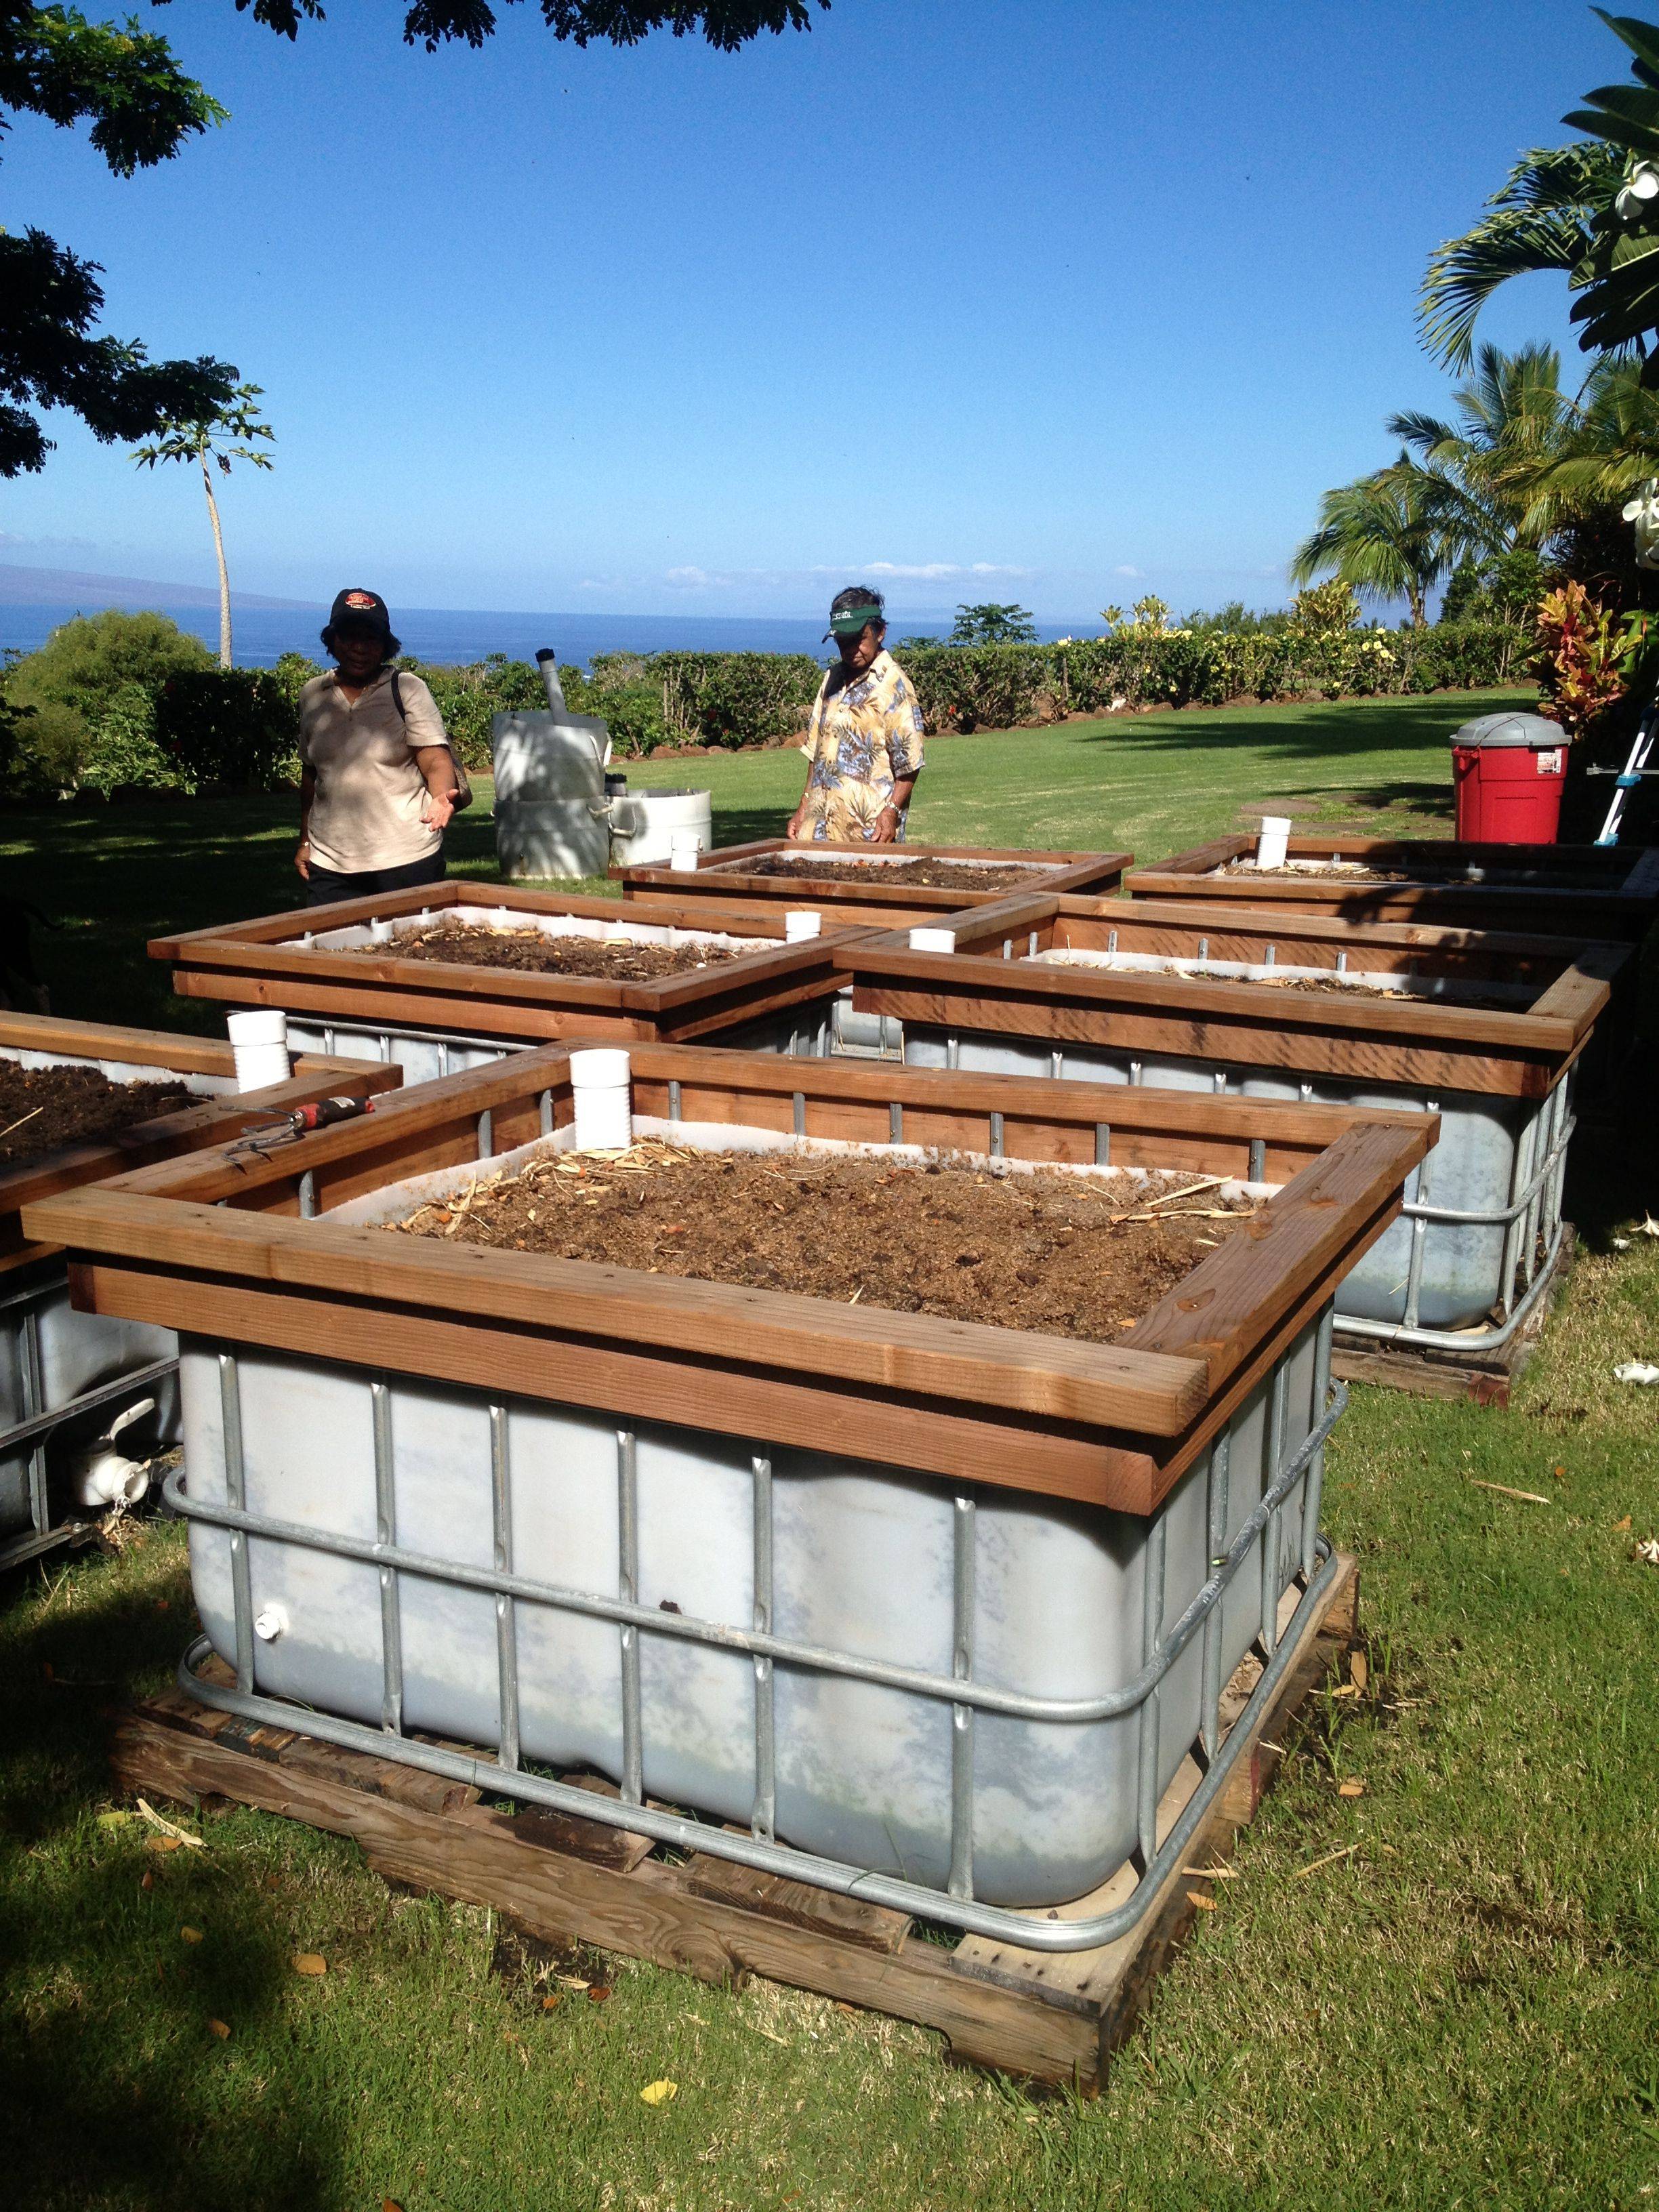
(1461, 2012)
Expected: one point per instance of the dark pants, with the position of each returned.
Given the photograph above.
(323, 888)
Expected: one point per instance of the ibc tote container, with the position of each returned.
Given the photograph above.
(934, 1610)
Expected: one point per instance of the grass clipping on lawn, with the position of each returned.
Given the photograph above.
(1054, 1254)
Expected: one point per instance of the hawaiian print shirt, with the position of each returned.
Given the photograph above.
(864, 738)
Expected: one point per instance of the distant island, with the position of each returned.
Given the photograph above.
(59, 587)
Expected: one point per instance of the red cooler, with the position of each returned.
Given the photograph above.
(1509, 770)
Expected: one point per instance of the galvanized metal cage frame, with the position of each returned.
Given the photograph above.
(20, 1311)
(955, 1905)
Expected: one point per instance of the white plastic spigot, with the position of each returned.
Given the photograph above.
(100, 1475)
(270, 1622)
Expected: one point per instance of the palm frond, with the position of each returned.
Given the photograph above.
(1641, 39)
(1541, 218)
(1423, 432)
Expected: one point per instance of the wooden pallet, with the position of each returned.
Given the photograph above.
(1051, 2018)
(1435, 1374)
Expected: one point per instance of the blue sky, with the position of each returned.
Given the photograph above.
(1055, 300)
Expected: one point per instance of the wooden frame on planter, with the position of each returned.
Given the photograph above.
(990, 983)
(214, 1246)
(1575, 890)
(260, 963)
(720, 874)
(1452, 1299)
(211, 1121)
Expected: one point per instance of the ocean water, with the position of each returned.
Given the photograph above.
(262, 635)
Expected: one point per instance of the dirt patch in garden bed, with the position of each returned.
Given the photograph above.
(1061, 1255)
(920, 875)
(531, 951)
(42, 1110)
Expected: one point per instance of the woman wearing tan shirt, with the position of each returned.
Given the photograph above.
(378, 782)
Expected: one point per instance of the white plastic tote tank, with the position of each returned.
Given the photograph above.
(51, 1356)
(869, 1561)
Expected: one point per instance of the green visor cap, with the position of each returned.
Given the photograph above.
(852, 622)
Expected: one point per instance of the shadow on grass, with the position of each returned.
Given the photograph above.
(1612, 1165)
(743, 825)
(114, 877)
(1435, 799)
(113, 2086)
(1301, 731)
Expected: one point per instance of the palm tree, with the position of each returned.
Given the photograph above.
(1610, 450)
(1376, 535)
(1513, 421)
(222, 436)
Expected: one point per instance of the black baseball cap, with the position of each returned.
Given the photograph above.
(354, 609)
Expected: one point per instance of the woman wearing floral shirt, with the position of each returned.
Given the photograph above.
(864, 741)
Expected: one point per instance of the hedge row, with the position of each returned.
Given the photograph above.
(1006, 686)
(240, 726)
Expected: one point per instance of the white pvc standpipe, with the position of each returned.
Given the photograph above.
(259, 1040)
(801, 923)
(932, 940)
(1275, 842)
(604, 1099)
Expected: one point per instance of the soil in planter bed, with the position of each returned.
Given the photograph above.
(919, 875)
(1326, 986)
(44, 1109)
(1355, 871)
(618, 960)
(1332, 988)
(1057, 1254)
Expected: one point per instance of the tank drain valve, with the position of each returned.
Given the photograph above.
(270, 1622)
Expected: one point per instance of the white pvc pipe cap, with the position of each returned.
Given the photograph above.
(598, 1067)
(801, 922)
(932, 940)
(258, 1025)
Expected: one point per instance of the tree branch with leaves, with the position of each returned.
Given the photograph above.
(127, 85)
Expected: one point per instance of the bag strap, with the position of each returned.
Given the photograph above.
(463, 780)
